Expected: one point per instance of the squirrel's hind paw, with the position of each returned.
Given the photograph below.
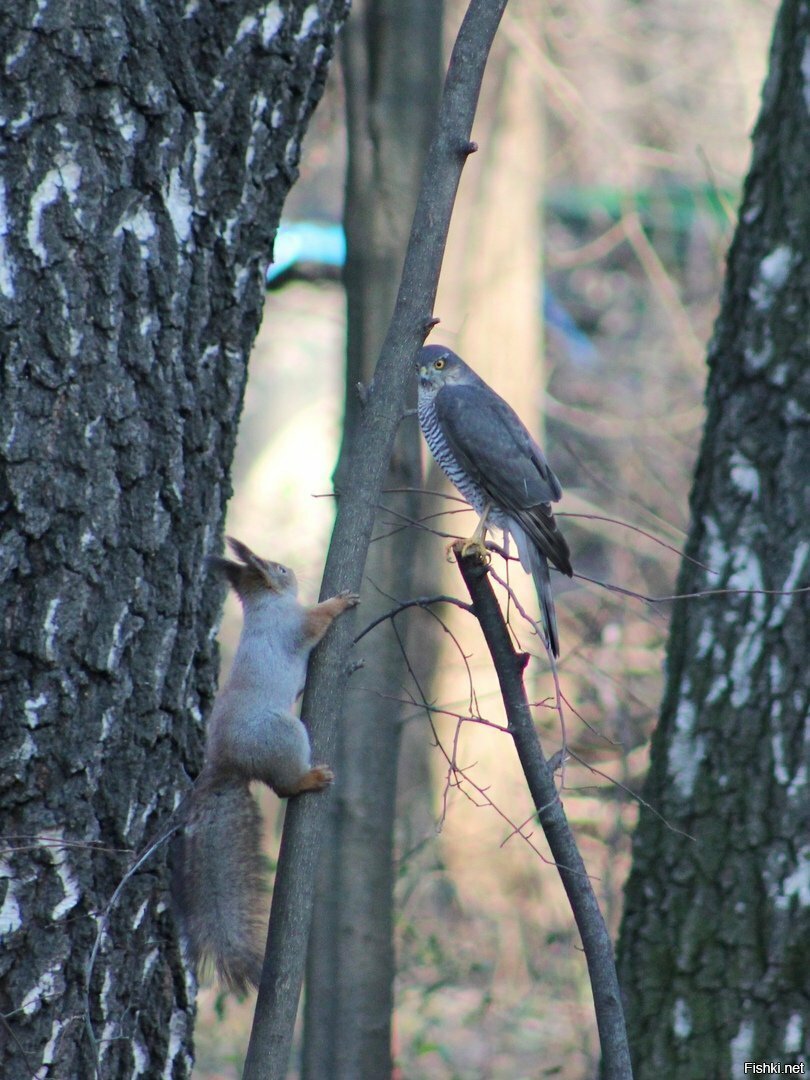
(318, 778)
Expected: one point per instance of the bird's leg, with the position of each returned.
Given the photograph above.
(476, 541)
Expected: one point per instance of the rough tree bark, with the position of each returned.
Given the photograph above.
(715, 941)
(392, 64)
(145, 152)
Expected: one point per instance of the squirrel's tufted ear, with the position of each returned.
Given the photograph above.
(244, 554)
(231, 571)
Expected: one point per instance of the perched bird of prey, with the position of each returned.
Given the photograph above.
(482, 446)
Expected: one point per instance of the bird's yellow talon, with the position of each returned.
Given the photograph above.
(474, 545)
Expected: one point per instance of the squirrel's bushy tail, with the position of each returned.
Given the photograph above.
(218, 880)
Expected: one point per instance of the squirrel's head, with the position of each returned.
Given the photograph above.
(252, 576)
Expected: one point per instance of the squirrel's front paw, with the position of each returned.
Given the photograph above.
(318, 777)
(350, 599)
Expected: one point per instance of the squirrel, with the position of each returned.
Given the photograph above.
(252, 735)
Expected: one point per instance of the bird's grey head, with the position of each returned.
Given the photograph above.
(440, 366)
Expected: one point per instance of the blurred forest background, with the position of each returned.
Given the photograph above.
(581, 279)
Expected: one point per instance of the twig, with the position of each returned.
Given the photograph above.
(595, 938)
(419, 601)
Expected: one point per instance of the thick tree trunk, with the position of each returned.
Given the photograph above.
(392, 64)
(146, 153)
(714, 945)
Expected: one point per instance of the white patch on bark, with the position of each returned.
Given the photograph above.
(794, 1031)
(246, 26)
(26, 751)
(202, 151)
(164, 657)
(65, 178)
(717, 554)
(140, 1057)
(779, 375)
(106, 724)
(45, 990)
(6, 265)
(783, 603)
(705, 639)
(31, 709)
(308, 20)
(70, 886)
(682, 1020)
(256, 113)
(51, 628)
(109, 1031)
(142, 227)
(10, 917)
(149, 964)
(776, 677)
(49, 1050)
(291, 151)
(123, 121)
(20, 51)
(177, 199)
(806, 76)
(796, 787)
(757, 359)
(743, 475)
(686, 750)
(178, 1031)
(118, 641)
(779, 764)
(798, 883)
(747, 575)
(774, 271)
(139, 914)
(277, 118)
(149, 809)
(91, 425)
(741, 1046)
(272, 21)
(717, 689)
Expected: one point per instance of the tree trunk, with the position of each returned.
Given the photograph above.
(146, 154)
(714, 945)
(392, 65)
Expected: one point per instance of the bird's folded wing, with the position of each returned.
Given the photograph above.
(491, 444)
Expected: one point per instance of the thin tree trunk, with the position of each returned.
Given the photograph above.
(145, 158)
(392, 65)
(293, 895)
(714, 943)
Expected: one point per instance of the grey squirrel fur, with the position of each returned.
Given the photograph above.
(252, 735)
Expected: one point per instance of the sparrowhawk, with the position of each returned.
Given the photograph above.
(483, 447)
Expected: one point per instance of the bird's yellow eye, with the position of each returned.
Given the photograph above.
(439, 364)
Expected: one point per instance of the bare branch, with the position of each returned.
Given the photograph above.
(540, 779)
(419, 601)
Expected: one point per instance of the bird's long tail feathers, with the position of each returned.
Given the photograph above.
(536, 564)
(542, 582)
(218, 882)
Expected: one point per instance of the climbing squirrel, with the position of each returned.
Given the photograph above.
(252, 735)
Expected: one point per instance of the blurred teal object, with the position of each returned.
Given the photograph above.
(668, 210)
(306, 242)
